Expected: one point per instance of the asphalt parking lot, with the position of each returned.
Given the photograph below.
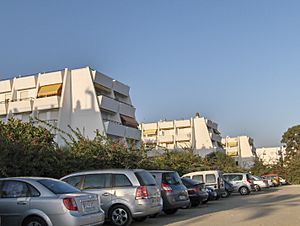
(276, 206)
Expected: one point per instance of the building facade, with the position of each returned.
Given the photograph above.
(240, 148)
(270, 155)
(80, 98)
(198, 133)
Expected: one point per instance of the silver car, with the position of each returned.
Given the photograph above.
(46, 202)
(242, 182)
(126, 195)
(259, 183)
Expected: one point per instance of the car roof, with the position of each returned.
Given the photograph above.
(233, 173)
(161, 171)
(27, 178)
(103, 171)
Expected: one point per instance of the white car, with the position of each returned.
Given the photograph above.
(259, 183)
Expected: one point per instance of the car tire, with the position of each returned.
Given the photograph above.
(244, 191)
(170, 211)
(34, 221)
(225, 194)
(120, 215)
(204, 202)
(257, 187)
(140, 219)
(195, 203)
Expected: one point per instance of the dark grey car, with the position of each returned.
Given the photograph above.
(173, 192)
(46, 202)
(126, 194)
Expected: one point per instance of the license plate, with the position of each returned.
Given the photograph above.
(182, 197)
(88, 206)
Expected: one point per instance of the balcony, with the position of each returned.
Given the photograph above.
(108, 103)
(183, 123)
(211, 124)
(183, 137)
(103, 80)
(232, 152)
(5, 86)
(166, 125)
(166, 139)
(215, 137)
(20, 106)
(3, 108)
(46, 103)
(132, 133)
(114, 129)
(121, 88)
(127, 110)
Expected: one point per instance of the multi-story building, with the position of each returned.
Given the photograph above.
(80, 98)
(198, 133)
(240, 148)
(270, 155)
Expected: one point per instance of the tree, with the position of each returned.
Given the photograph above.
(291, 138)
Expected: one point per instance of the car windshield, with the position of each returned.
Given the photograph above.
(145, 178)
(171, 178)
(190, 182)
(58, 187)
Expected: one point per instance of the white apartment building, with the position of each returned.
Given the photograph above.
(270, 155)
(240, 148)
(80, 98)
(198, 133)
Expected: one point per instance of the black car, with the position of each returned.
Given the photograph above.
(196, 190)
(173, 192)
(212, 194)
(228, 189)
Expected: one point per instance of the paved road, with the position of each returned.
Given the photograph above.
(275, 207)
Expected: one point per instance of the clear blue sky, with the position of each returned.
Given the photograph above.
(235, 62)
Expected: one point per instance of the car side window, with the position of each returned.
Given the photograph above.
(121, 180)
(15, 189)
(237, 178)
(198, 178)
(74, 181)
(210, 178)
(97, 181)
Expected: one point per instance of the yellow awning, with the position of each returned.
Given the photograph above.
(150, 132)
(232, 153)
(50, 90)
(232, 144)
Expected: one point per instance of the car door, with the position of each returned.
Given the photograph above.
(14, 201)
(123, 190)
(99, 184)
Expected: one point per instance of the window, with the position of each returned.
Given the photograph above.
(236, 177)
(171, 178)
(97, 181)
(210, 178)
(145, 178)
(58, 187)
(14, 189)
(74, 181)
(121, 181)
(198, 178)
(24, 95)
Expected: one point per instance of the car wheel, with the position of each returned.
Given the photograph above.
(170, 211)
(195, 203)
(244, 191)
(225, 194)
(257, 187)
(204, 202)
(34, 221)
(120, 215)
(140, 219)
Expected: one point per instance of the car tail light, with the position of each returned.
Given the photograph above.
(166, 187)
(250, 181)
(141, 192)
(196, 189)
(70, 204)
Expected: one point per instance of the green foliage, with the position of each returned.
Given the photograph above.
(291, 138)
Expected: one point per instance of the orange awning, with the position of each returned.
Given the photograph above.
(128, 121)
(50, 90)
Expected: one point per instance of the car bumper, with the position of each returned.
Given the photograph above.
(75, 219)
(172, 203)
(146, 207)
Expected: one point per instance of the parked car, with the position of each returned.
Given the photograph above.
(39, 201)
(241, 182)
(126, 194)
(269, 180)
(259, 183)
(212, 178)
(212, 194)
(229, 188)
(274, 178)
(283, 181)
(196, 191)
(173, 192)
